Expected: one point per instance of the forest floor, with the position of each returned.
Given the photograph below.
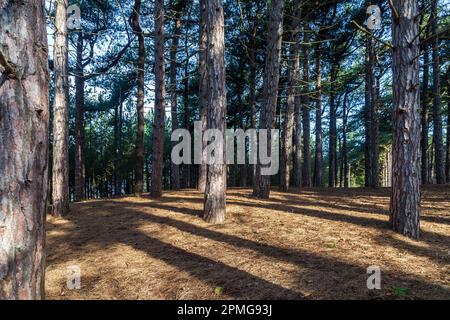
(313, 245)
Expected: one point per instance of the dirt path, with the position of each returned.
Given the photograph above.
(313, 245)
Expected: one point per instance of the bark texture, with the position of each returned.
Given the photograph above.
(139, 170)
(79, 125)
(306, 112)
(203, 92)
(405, 196)
(293, 83)
(24, 124)
(437, 108)
(318, 159)
(424, 120)
(215, 197)
(160, 95)
(60, 168)
(261, 187)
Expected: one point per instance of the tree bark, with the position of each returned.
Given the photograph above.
(203, 92)
(405, 198)
(139, 170)
(424, 119)
(447, 162)
(215, 198)
(160, 95)
(175, 174)
(24, 125)
(318, 160)
(261, 187)
(332, 158)
(306, 111)
(60, 174)
(437, 109)
(344, 143)
(79, 127)
(293, 83)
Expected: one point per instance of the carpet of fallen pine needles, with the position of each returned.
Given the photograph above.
(316, 244)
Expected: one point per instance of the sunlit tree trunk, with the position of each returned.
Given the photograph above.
(60, 171)
(405, 198)
(160, 95)
(261, 187)
(24, 124)
(215, 198)
(140, 66)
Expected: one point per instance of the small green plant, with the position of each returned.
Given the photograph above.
(218, 290)
(400, 292)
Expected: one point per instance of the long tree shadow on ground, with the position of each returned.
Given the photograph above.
(319, 273)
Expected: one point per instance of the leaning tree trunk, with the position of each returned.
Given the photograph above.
(60, 173)
(306, 112)
(293, 83)
(215, 199)
(79, 125)
(261, 188)
(437, 109)
(24, 123)
(424, 119)
(405, 196)
(139, 170)
(160, 94)
(318, 162)
(175, 174)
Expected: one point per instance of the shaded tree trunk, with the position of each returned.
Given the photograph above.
(447, 162)
(186, 118)
(306, 112)
(79, 126)
(60, 168)
(175, 174)
(160, 95)
(118, 147)
(345, 166)
(139, 170)
(261, 188)
(293, 83)
(318, 161)
(203, 89)
(437, 109)
(332, 158)
(215, 198)
(24, 124)
(424, 119)
(405, 197)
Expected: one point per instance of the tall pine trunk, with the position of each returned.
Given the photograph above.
(79, 122)
(139, 169)
(318, 159)
(405, 197)
(60, 171)
(215, 198)
(306, 112)
(447, 162)
(437, 109)
(293, 83)
(424, 118)
(175, 173)
(24, 124)
(261, 188)
(160, 95)
(203, 93)
(332, 158)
